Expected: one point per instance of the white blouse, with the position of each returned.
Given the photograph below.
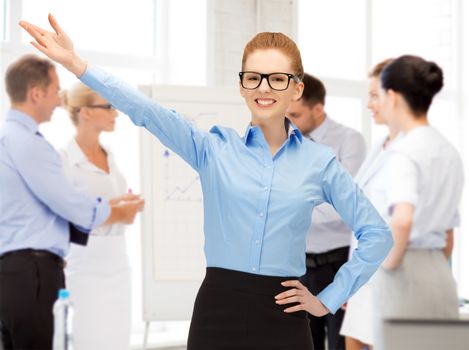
(371, 176)
(425, 170)
(94, 181)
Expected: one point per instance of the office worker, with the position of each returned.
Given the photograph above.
(420, 197)
(358, 320)
(98, 275)
(40, 211)
(328, 239)
(259, 191)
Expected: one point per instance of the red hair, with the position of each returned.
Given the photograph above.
(279, 41)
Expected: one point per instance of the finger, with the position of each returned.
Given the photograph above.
(36, 35)
(31, 30)
(287, 294)
(293, 299)
(55, 25)
(293, 283)
(32, 27)
(295, 308)
(40, 48)
(130, 197)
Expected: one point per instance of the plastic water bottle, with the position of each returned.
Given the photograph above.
(63, 314)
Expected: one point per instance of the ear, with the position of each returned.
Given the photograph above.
(298, 92)
(242, 91)
(84, 113)
(318, 109)
(392, 96)
(34, 94)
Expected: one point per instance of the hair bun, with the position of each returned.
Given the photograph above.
(434, 77)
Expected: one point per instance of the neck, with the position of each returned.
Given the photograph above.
(273, 130)
(409, 122)
(319, 120)
(393, 132)
(88, 140)
(29, 110)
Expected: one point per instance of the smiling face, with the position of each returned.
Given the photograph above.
(374, 101)
(265, 103)
(98, 117)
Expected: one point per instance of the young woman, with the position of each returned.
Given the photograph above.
(420, 197)
(98, 275)
(358, 319)
(259, 191)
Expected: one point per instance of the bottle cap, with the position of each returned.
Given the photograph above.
(64, 294)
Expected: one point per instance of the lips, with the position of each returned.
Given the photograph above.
(265, 102)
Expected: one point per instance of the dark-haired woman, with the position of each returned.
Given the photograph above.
(421, 196)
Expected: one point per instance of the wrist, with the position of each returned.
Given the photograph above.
(77, 66)
(114, 216)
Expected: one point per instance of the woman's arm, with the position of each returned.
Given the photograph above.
(57, 46)
(448, 249)
(168, 126)
(373, 235)
(401, 225)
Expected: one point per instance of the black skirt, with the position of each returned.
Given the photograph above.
(237, 311)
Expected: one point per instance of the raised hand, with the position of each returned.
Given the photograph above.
(56, 45)
(302, 296)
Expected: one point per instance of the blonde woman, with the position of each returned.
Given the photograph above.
(98, 276)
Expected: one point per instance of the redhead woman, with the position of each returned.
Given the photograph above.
(259, 191)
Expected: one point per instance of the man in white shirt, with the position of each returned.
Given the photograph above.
(328, 240)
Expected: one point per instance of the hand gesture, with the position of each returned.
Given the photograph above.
(124, 208)
(55, 45)
(301, 295)
(125, 197)
(130, 207)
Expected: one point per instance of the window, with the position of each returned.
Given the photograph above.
(3, 19)
(332, 38)
(426, 28)
(110, 26)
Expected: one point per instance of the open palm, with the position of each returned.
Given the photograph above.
(55, 45)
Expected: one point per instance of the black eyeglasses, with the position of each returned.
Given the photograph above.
(106, 106)
(277, 81)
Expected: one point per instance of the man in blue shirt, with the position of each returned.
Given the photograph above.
(40, 211)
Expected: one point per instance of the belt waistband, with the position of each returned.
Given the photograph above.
(45, 254)
(314, 260)
(244, 281)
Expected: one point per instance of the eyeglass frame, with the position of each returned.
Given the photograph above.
(266, 76)
(106, 106)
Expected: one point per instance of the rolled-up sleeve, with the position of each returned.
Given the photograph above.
(373, 235)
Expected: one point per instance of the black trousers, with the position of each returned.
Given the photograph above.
(29, 282)
(237, 311)
(316, 279)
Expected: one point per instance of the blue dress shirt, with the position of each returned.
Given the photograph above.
(257, 208)
(37, 202)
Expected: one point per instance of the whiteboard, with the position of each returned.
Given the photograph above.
(173, 263)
